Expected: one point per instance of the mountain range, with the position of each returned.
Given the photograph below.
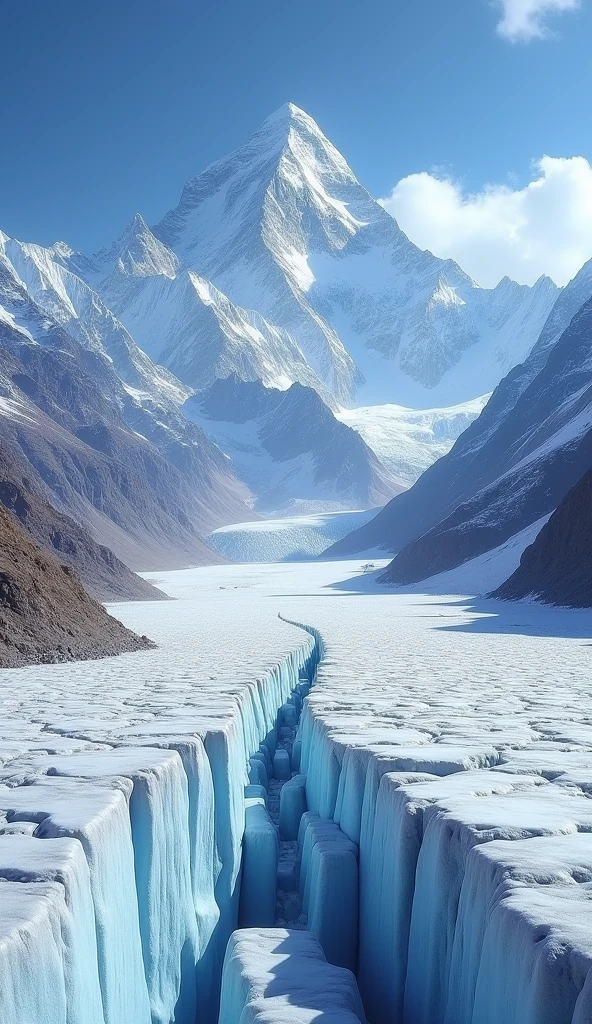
(275, 344)
(98, 425)
(289, 448)
(278, 264)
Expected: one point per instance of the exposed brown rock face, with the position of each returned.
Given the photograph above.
(105, 577)
(45, 613)
(119, 458)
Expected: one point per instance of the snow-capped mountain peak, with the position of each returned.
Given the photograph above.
(62, 249)
(301, 136)
(283, 226)
(137, 253)
(446, 295)
(287, 161)
(283, 230)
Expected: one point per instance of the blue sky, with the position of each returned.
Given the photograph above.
(109, 107)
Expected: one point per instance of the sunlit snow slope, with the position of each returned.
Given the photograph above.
(407, 441)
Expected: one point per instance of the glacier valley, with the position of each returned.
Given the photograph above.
(315, 796)
(274, 346)
(387, 792)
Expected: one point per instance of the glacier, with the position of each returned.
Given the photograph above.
(288, 538)
(421, 813)
(282, 975)
(407, 441)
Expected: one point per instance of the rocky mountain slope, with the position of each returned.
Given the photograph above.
(282, 227)
(557, 567)
(104, 575)
(289, 448)
(45, 613)
(547, 445)
(494, 481)
(118, 458)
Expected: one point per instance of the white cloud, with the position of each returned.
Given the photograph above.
(523, 20)
(544, 228)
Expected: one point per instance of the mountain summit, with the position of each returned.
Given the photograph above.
(281, 230)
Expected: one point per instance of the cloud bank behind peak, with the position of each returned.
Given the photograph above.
(543, 228)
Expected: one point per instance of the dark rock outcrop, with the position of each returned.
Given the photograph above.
(557, 567)
(292, 447)
(45, 613)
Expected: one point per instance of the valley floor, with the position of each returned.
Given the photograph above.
(449, 739)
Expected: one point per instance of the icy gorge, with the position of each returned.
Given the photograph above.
(331, 778)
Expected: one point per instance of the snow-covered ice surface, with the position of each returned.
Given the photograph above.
(448, 737)
(282, 976)
(484, 573)
(288, 538)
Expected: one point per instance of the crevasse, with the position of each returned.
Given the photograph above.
(453, 878)
(475, 865)
(120, 859)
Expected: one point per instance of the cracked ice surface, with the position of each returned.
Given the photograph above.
(438, 727)
(449, 738)
(133, 769)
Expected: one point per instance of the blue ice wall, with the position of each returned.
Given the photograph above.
(128, 859)
(468, 912)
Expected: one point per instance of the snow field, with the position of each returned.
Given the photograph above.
(407, 441)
